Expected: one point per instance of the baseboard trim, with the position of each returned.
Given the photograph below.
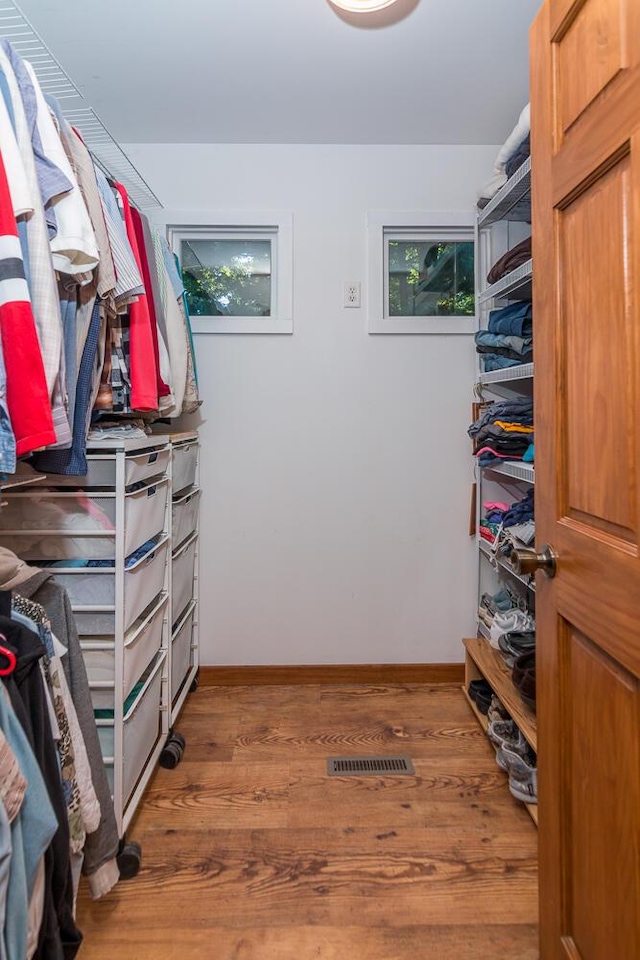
(332, 673)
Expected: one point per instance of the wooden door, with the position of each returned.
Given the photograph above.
(585, 69)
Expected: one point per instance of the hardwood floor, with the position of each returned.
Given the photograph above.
(251, 853)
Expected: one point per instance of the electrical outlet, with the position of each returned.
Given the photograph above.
(351, 293)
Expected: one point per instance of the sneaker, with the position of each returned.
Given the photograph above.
(506, 733)
(523, 774)
(513, 620)
(497, 711)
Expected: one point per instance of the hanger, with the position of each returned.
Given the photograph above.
(6, 655)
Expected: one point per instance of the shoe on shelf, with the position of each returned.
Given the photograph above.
(481, 693)
(524, 678)
(506, 734)
(501, 760)
(497, 710)
(527, 689)
(512, 620)
(523, 775)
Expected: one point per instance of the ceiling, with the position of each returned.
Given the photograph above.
(293, 71)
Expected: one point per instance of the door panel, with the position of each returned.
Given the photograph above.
(594, 36)
(599, 420)
(585, 137)
(605, 797)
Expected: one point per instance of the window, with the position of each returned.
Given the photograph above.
(229, 276)
(237, 272)
(422, 273)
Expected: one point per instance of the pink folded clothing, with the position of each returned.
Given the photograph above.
(502, 456)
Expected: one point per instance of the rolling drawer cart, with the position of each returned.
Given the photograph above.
(106, 538)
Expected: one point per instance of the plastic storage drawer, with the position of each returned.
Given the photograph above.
(96, 587)
(141, 729)
(68, 516)
(141, 644)
(184, 516)
(102, 469)
(182, 571)
(181, 651)
(185, 462)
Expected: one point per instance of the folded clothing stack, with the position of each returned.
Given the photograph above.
(504, 432)
(511, 155)
(508, 339)
(501, 524)
(509, 261)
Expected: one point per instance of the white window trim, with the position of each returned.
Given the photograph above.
(443, 225)
(185, 223)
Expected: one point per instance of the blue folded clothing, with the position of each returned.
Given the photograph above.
(493, 361)
(514, 320)
(520, 512)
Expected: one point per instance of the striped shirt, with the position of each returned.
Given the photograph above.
(128, 280)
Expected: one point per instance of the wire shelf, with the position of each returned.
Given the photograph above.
(522, 372)
(516, 285)
(111, 157)
(514, 469)
(513, 201)
(500, 564)
(18, 30)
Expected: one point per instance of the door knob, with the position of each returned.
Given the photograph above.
(526, 562)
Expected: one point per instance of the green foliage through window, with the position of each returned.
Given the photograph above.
(227, 277)
(431, 278)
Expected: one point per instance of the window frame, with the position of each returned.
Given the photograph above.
(383, 226)
(276, 226)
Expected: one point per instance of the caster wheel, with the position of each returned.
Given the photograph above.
(129, 859)
(171, 755)
(195, 682)
(179, 739)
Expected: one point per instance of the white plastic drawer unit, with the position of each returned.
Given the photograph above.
(182, 571)
(141, 729)
(141, 644)
(54, 525)
(181, 649)
(185, 464)
(102, 469)
(184, 511)
(95, 588)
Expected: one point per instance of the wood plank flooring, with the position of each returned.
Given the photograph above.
(251, 853)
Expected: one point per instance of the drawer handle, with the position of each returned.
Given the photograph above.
(152, 458)
(151, 491)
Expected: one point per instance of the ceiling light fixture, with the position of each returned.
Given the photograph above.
(362, 6)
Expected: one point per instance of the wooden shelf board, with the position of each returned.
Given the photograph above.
(532, 810)
(493, 668)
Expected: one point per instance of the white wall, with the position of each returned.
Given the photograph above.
(336, 468)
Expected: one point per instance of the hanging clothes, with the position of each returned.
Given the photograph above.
(102, 845)
(153, 303)
(73, 461)
(59, 937)
(144, 373)
(42, 284)
(26, 387)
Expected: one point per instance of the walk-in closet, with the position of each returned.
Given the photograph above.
(319, 499)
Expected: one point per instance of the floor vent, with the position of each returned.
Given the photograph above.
(369, 766)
